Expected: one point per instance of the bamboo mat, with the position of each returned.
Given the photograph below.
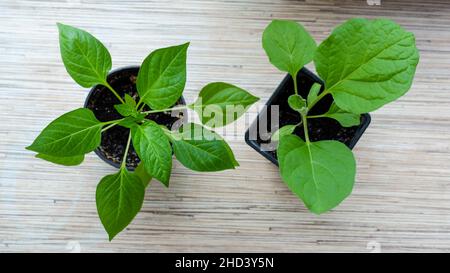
(401, 200)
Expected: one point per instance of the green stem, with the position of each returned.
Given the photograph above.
(305, 128)
(317, 116)
(112, 121)
(165, 110)
(139, 104)
(323, 94)
(113, 91)
(124, 160)
(109, 126)
(294, 77)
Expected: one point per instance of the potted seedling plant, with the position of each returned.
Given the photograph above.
(362, 65)
(132, 119)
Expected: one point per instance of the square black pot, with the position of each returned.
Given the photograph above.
(319, 129)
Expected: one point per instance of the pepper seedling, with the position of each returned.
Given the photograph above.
(364, 64)
(160, 84)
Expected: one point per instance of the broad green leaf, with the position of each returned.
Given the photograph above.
(153, 148)
(162, 77)
(220, 103)
(75, 133)
(119, 198)
(283, 131)
(367, 63)
(313, 93)
(288, 45)
(200, 149)
(66, 161)
(296, 103)
(86, 59)
(345, 118)
(320, 173)
(143, 174)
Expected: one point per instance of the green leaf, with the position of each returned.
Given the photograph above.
(131, 121)
(200, 149)
(288, 45)
(66, 161)
(297, 103)
(125, 110)
(130, 101)
(143, 174)
(367, 63)
(128, 108)
(162, 77)
(346, 119)
(320, 173)
(75, 133)
(119, 198)
(220, 103)
(283, 131)
(153, 148)
(313, 93)
(86, 59)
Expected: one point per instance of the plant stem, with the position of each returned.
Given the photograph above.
(170, 134)
(323, 94)
(138, 104)
(305, 114)
(294, 77)
(113, 91)
(164, 110)
(109, 126)
(124, 160)
(112, 121)
(305, 128)
(316, 116)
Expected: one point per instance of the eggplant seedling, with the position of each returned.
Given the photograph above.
(364, 65)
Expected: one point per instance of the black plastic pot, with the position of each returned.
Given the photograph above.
(319, 129)
(101, 101)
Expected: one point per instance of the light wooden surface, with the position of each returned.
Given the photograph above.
(401, 201)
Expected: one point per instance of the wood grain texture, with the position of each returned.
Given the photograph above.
(401, 201)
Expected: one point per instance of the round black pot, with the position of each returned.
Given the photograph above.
(101, 101)
(319, 129)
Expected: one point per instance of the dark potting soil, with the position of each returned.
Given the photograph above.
(319, 128)
(101, 101)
